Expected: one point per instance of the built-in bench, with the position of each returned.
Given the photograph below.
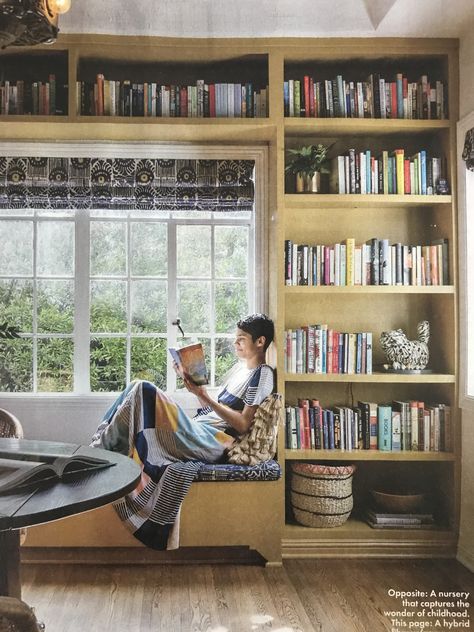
(214, 514)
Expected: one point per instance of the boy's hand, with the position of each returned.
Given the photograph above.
(178, 370)
(197, 390)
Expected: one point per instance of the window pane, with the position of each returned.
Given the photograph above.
(55, 249)
(108, 364)
(231, 304)
(194, 251)
(108, 248)
(149, 360)
(231, 251)
(108, 306)
(55, 365)
(225, 357)
(149, 302)
(56, 307)
(194, 306)
(16, 367)
(16, 252)
(149, 249)
(16, 304)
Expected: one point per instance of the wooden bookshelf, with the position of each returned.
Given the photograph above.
(320, 218)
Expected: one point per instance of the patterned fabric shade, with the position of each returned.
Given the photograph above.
(126, 183)
(468, 152)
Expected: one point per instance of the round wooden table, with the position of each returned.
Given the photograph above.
(73, 494)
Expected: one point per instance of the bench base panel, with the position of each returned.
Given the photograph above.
(243, 514)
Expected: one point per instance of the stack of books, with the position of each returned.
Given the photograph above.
(379, 519)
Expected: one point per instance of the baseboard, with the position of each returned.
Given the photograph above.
(466, 558)
(139, 555)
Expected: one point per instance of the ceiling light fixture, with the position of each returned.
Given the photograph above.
(30, 22)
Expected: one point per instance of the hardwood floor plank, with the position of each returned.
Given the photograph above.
(302, 596)
(287, 601)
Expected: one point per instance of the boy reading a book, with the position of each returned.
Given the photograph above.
(247, 384)
(144, 422)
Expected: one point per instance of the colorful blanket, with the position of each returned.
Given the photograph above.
(145, 424)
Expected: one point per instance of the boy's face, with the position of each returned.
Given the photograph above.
(245, 347)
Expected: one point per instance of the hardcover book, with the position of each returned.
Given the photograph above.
(16, 474)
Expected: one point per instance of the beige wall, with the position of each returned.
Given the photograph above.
(466, 539)
(466, 62)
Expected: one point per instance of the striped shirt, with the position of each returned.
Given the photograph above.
(244, 387)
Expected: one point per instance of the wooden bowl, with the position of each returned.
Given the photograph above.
(398, 503)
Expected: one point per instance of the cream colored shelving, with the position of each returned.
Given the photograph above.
(322, 218)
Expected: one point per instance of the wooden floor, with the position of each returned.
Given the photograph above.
(302, 596)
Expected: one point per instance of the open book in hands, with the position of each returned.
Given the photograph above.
(190, 361)
(20, 474)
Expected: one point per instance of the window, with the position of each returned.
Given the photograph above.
(95, 292)
(466, 243)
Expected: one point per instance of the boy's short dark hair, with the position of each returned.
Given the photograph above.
(258, 325)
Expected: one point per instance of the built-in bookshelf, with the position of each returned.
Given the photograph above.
(361, 70)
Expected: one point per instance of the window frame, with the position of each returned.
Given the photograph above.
(466, 227)
(257, 153)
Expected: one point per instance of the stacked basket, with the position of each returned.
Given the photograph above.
(321, 495)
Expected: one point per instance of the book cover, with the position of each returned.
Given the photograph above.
(191, 360)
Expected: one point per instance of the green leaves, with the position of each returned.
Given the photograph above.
(308, 160)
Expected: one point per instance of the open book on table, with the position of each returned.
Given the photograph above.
(16, 474)
(191, 360)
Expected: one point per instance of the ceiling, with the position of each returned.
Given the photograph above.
(267, 18)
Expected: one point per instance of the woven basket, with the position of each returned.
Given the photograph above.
(321, 495)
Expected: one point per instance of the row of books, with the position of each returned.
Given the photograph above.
(20, 97)
(390, 172)
(376, 97)
(376, 262)
(319, 349)
(396, 426)
(124, 98)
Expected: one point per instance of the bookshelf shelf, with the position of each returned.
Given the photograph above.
(368, 289)
(356, 538)
(366, 455)
(361, 127)
(381, 378)
(306, 201)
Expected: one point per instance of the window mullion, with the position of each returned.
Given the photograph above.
(35, 304)
(81, 301)
(128, 347)
(213, 307)
(172, 301)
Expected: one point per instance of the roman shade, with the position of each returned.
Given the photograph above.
(126, 183)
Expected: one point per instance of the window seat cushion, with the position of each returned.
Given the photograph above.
(266, 471)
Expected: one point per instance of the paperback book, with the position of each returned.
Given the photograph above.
(191, 361)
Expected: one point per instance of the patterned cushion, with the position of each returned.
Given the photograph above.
(266, 471)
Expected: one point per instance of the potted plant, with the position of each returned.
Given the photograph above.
(307, 164)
